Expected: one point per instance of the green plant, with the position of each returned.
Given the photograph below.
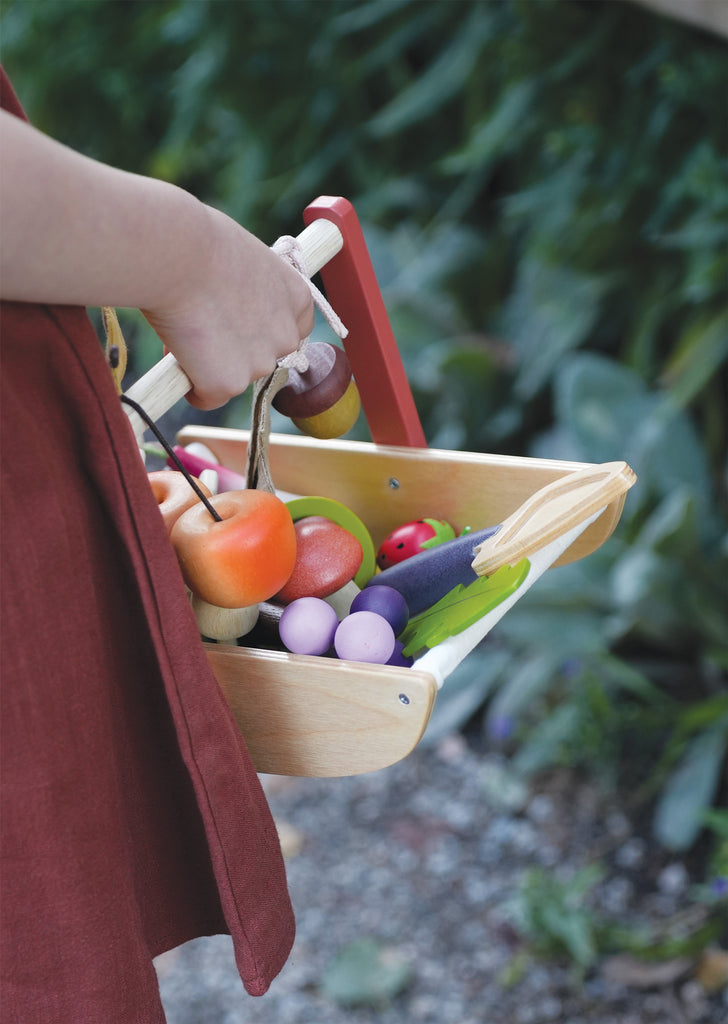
(544, 193)
(366, 973)
(621, 659)
(556, 918)
(554, 915)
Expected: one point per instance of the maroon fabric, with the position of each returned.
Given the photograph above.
(132, 817)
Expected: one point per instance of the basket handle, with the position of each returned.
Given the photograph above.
(166, 383)
(332, 230)
(551, 512)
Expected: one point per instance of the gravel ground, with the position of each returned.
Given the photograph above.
(424, 858)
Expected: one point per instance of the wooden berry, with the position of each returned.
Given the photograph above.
(411, 538)
(308, 625)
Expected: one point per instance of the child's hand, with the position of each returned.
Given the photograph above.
(241, 310)
(79, 232)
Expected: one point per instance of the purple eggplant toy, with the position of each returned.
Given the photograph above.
(426, 577)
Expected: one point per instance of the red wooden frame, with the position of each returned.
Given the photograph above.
(352, 289)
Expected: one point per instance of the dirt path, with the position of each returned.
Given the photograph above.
(425, 859)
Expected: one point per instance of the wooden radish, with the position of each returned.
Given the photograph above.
(166, 383)
(551, 512)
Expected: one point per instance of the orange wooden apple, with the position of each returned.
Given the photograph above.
(241, 560)
(174, 494)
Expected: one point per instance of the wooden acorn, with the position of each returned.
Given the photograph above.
(323, 401)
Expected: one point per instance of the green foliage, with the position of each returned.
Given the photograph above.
(714, 890)
(655, 594)
(545, 197)
(556, 918)
(366, 973)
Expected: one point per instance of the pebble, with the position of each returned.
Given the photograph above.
(616, 895)
(631, 854)
(501, 786)
(440, 904)
(673, 880)
(540, 809)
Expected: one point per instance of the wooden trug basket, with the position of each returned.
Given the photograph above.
(312, 716)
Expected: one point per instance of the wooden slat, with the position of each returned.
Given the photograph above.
(387, 486)
(322, 717)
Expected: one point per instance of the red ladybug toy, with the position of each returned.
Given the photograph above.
(411, 538)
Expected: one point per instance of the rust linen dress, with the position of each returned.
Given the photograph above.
(132, 817)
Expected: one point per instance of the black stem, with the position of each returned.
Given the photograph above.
(172, 454)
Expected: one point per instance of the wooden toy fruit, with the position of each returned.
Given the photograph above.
(399, 658)
(323, 401)
(242, 560)
(174, 494)
(327, 558)
(411, 538)
(343, 516)
(232, 564)
(308, 625)
(385, 601)
(365, 636)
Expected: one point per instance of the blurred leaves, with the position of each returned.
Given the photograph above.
(555, 917)
(544, 193)
(691, 788)
(366, 973)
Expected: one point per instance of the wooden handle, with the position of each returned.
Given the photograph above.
(166, 383)
(551, 512)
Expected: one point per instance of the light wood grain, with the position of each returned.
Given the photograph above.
(388, 486)
(321, 717)
(223, 624)
(551, 512)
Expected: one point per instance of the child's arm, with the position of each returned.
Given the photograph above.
(78, 232)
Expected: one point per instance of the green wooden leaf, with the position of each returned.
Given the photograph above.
(461, 607)
(366, 973)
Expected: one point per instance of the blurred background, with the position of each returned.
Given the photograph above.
(543, 189)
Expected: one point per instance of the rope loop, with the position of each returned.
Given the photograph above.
(289, 249)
